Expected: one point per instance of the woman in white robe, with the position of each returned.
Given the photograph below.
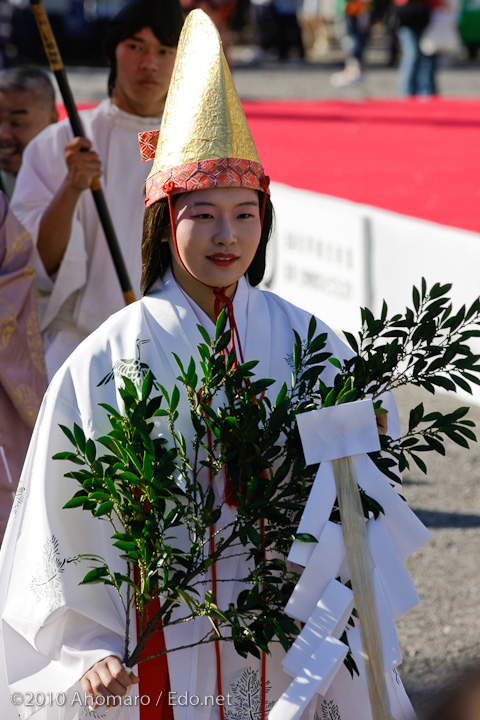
(54, 631)
(60, 639)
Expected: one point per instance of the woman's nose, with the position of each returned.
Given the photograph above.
(224, 233)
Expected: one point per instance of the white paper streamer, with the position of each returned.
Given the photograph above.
(315, 677)
(407, 531)
(338, 431)
(328, 619)
(316, 512)
(322, 567)
(396, 582)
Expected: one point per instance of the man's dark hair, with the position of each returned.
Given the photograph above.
(163, 17)
(28, 78)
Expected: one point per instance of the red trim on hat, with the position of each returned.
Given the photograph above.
(205, 174)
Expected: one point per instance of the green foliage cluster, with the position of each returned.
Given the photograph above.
(158, 493)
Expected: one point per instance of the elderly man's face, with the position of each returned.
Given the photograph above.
(22, 116)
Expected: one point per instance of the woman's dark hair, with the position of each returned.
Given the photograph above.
(156, 254)
(163, 17)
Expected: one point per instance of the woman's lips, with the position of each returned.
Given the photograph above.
(222, 260)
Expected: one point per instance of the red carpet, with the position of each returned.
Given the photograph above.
(415, 158)
(412, 157)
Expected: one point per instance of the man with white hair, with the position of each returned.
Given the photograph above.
(27, 106)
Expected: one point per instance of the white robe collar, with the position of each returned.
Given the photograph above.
(240, 305)
(129, 121)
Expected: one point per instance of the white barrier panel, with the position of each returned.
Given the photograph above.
(318, 255)
(332, 256)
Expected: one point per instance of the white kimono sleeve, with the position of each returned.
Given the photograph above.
(53, 629)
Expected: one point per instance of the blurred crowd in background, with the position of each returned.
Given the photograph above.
(290, 31)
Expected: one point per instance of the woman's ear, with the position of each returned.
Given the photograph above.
(167, 236)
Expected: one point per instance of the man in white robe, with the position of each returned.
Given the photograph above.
(77, 285)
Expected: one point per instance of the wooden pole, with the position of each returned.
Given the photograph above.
(58, 69)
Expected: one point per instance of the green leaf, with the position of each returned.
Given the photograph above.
(306, 537)
(68, 433)
(77, 501)
(347, 397)
(443, 382)
(419, 462)
(79, 437)
(416, 298)
(125, 545)
(90, 451)
(468, 433)
(221, 325)
(204, 334)
(129, 386)
(424, 288)
(185, 597)
(416, 415)
(312, 326)
(352, 341)
(97, 575)
(457, 438)
(439, 290)
(68, 456)
(254, 536)
(104, 508)
(330, 399)
(282, 394)
(223, 342)
(127, 475)
(147, 385)
(110, 410)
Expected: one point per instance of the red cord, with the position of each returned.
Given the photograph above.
(264, 655)
(217, 644)
(153, 673)
(264, 182)
(221, 297)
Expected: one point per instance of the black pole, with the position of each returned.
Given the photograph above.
(58, 69)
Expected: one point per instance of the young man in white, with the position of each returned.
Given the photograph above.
(76, 281)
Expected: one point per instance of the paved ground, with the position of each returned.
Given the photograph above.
(443, 633)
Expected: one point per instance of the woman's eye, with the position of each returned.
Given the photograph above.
(202, 216)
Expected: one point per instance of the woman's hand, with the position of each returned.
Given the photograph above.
(108, 678)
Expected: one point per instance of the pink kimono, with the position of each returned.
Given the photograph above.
(22, 366)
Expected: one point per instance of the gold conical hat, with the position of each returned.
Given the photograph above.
(205, 140)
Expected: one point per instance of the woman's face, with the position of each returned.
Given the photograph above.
(218, 232)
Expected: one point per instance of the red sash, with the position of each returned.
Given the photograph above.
(154, 687)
